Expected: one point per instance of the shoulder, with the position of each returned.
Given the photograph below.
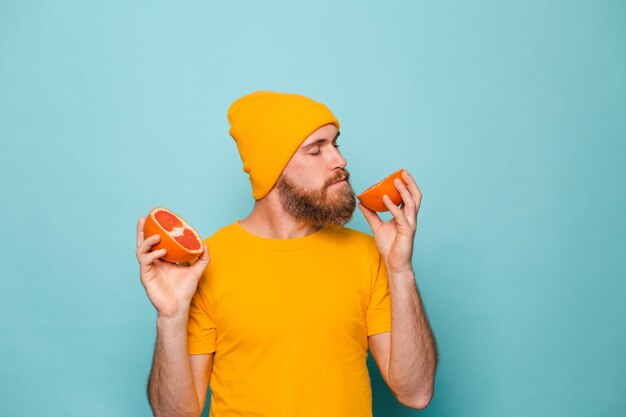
(222, 235)
(350, 233)
(356, 239)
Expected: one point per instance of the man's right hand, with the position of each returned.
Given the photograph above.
(170, 287)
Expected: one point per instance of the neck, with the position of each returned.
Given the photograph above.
(269, 220)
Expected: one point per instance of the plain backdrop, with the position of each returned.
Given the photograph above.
(509, 115)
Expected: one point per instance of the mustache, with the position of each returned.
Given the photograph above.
(341, 175)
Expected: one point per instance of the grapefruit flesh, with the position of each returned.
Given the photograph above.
(372, 198)
(182, 242)
(188, 240)
(167, 220)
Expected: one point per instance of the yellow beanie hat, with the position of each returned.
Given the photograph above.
(268, 128)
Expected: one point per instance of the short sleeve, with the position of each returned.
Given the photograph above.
(378, 318)
(201, 334)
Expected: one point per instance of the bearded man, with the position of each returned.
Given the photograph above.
(279, 319)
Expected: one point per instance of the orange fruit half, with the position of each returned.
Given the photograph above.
(182, 242)
(372, 198)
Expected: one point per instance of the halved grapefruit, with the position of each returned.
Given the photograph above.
(182, 242)
(372, 198)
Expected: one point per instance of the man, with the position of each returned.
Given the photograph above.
(280, 317)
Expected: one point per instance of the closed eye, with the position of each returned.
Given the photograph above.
(318, 152)
(317, 143)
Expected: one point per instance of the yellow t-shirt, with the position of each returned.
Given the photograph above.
(288, 320)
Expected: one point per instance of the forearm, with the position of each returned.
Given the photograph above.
(171, 390)
(413, 352)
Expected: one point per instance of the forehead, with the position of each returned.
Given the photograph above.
(325, 133)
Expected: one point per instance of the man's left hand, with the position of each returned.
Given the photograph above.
(394, 238)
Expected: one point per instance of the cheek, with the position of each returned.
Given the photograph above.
(308, 175)
(311, 183)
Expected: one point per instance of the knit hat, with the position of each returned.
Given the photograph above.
(268, 128)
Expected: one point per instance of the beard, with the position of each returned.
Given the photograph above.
(321, 207)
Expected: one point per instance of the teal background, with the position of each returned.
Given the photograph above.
(510, 115)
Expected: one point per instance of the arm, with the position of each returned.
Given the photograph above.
(201, 365)
(412, 352)
(177, 384)
(407, 355)
(410, 374)
(171, 387)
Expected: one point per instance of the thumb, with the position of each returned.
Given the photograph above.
(204, 258)
(371, 217)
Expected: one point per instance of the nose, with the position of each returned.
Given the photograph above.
(338, 160)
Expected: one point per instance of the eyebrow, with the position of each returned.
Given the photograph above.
(319, 141)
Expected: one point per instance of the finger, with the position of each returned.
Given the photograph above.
(149, 258)
(145, 246)
(413, 188)
(397, 213)
(408, 200)
(372, 218)
(140, 224)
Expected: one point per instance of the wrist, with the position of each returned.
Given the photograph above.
(179, 315)
(401, 275)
